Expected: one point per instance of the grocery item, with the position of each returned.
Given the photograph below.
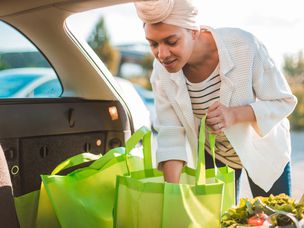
(273, 211)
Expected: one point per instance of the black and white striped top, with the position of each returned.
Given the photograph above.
(203, 95)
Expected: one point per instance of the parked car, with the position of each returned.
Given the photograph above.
(88, 114)
(29, 82)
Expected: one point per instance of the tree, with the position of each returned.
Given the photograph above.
(294, 69)
(297, 116)
(100, 42)
(147, 62)
(294, 65)
(3, 64)
(147, 65)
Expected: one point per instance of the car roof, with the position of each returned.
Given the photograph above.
(9, 7)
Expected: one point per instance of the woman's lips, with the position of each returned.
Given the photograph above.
(169, 64)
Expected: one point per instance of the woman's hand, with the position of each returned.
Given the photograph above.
(220, 117)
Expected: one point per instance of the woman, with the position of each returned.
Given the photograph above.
(227, 75)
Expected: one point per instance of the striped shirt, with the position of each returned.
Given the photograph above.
(203, 95)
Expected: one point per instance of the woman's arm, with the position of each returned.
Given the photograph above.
(275, 100)
(171, 139)
(172, 170)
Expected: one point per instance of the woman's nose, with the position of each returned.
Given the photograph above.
(163, 52)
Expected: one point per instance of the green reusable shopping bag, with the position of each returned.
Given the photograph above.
(143, 199)
(85, 197)
(34, 209)
(225, 174)
(46, 216)
(26, 208)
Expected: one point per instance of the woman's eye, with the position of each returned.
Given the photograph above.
(153, 45)
(171, 43)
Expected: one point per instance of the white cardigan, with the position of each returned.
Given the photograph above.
(248, 76)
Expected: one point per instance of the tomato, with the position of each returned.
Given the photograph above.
(257, 220)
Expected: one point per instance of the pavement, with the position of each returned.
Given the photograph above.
(298, 179)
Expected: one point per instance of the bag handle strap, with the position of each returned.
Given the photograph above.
(75, 160)
(143, 134)
(115, 152)
(200, 172)
(212, 148)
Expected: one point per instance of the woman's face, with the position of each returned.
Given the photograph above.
(171, 45)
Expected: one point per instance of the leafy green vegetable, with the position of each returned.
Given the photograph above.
(239, 215)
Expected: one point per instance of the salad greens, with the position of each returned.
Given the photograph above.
(247, 208)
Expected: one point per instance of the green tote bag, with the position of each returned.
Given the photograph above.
(143, 199)
(85, 197)
(34, 209)
(26, 208)
(225, 174)
(46, 216)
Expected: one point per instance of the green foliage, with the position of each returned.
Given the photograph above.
(147, 65)
(297, 117)
(294, 70)
(100, 42)
(249, 207)
(294, 65)
(147, 62)
(3, 64)
(22, 59)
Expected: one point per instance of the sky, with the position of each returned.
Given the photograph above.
(279, 24)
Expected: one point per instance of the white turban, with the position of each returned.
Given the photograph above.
(182, 13)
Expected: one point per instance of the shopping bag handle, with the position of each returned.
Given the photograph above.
(75, 160)
(143, 134)
(124, 151)
(200, 173)
(212, 149)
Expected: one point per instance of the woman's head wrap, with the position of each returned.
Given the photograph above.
(182, 13)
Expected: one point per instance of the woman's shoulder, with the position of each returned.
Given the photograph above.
(234, 33)
(233, 37)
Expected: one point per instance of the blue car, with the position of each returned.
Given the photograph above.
(29, 82)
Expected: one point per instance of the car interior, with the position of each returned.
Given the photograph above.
(90, 115)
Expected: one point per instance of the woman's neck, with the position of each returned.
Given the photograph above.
(204, 59)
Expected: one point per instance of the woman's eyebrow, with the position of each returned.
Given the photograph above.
(171, 36)
(166, 38)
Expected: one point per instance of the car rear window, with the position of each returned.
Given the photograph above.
(24, 71)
